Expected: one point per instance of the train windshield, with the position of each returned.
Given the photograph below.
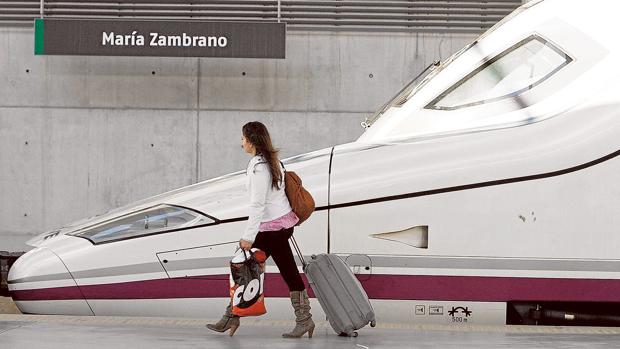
(409, 114)
(150, 221)
(509, 74)
(504, 76)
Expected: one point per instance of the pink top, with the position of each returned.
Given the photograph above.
(284, 222)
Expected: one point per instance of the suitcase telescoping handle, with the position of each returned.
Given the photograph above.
(298, 251)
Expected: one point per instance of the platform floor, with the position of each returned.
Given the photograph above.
(7, 306)
(33, 332)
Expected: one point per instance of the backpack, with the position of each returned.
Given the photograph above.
(300, 199)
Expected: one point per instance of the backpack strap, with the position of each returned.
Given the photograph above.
(283, 177)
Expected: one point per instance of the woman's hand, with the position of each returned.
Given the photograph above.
(244, 244)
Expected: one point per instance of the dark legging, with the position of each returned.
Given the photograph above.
(275, 244)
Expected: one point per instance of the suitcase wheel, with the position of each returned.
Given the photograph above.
(354, 334)
(373, 323)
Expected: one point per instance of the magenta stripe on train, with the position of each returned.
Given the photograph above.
(398, 287)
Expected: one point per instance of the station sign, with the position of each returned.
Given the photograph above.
(94, 37)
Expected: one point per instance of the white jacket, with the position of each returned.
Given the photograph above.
(266, 203)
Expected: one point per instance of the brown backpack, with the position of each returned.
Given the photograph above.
(300, 199)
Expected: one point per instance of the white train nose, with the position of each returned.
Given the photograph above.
(40, 283)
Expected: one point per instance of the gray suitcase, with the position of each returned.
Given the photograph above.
(340, 294)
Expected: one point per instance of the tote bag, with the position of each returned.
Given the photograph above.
(247, 276)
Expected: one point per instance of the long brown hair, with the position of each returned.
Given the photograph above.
(256, 133)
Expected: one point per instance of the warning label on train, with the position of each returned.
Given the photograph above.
(460, 314)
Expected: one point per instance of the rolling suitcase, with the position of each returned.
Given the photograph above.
(340, 294)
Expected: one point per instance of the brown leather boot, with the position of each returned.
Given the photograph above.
(228, 321)
(303, 318)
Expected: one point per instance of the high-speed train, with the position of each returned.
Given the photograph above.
(485, 192)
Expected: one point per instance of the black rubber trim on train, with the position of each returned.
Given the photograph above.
(478, 185)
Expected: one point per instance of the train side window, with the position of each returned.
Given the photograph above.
(150, 221)
(509, 74)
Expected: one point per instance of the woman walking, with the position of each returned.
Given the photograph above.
(270, 225)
